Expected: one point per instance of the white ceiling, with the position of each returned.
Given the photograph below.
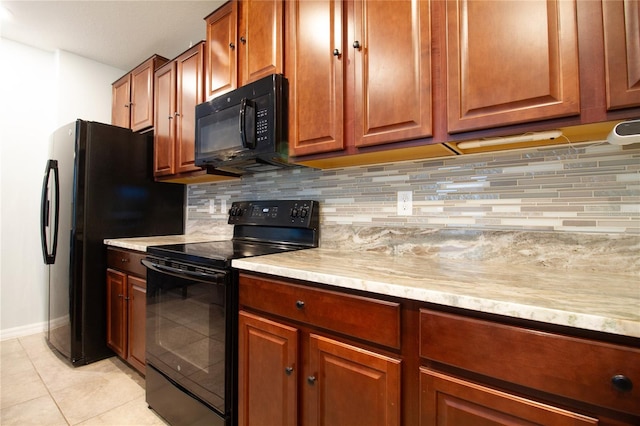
(118, 33)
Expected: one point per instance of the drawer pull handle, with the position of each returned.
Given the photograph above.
(311, 380)
(124, 260)
(299, 304)
(288, 370)
(622, 383)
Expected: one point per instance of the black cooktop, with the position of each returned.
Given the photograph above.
(260, 228)
(217, 253)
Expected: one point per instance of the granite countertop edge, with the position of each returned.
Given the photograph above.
(591, 301)
(142, 243)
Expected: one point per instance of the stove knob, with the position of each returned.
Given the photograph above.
(294, 212)
(304, 212)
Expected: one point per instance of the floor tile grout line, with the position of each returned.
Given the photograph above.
(43, 382)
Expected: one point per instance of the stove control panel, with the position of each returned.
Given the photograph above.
(283, 213)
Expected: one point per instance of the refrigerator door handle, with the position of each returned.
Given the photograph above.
(49, 257)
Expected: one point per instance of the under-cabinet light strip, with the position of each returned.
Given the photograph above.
(527, 137)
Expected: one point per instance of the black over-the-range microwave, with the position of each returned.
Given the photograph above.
(245, 130)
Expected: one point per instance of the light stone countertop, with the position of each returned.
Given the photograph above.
(601, 302)
(141, 243)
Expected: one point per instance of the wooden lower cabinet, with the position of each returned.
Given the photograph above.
(293, 373)
(450, 401)
(348, 385)
(338, 384)
(126, 306)
(267, 372)
(314, 355)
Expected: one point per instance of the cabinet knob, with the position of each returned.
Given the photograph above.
(299, 304)
(176, 114)
(124, 260)
(170, 117)
(311, 380)
(336, 52)
(622, 383)
(243, 40)
(288, 370)
(356, 44)
(232, 46)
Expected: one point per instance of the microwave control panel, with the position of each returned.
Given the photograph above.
(262, 125)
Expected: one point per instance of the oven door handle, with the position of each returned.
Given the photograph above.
(190, 275)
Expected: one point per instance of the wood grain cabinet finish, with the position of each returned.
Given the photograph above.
(178, 89)
(622, 52)
(121, 102)
(294, 370)
(244, 43)
(580, 369)
(126, 306)
(136, 111)
(359, 317)
(348, 385)
(510, 62)
(451, 401)
(359, 74)
(267, 372)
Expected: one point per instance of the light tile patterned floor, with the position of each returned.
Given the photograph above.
(39, 388)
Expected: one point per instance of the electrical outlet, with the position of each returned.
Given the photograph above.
(405, 203)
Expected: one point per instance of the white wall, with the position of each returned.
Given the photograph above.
(39, 91)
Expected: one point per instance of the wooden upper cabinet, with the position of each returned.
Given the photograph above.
(121, 99)
(359, 73)
(142, 96)
(316, 76)
(189, 93)
(178, 89)
(164, 131)
(621, 19)
(132, 101)
(510, 62)
(244, 44)
(261, 39)
(391, 46)
(221, 55)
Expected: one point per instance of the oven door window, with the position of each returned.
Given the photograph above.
(186, 333)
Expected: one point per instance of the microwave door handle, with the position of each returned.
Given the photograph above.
(248, 123)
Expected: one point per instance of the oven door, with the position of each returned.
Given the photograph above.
(189, 331)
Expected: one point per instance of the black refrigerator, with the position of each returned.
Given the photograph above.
(98, 184)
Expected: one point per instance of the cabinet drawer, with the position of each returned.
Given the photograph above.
(572, 367)
(364, 318)
(126, 260)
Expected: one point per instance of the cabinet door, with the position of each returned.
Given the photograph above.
(142, 96)
(446, 400)
(510, 62)
(622, 52)
(346, 385)
(222, 44)
(137, 308)
(189, 93)
(164, 131)
(117, 312)
(261, 40)
(391, 48)
(121, 95)
(315, 69)
(267, 372)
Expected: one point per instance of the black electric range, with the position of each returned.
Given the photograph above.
(192, 309)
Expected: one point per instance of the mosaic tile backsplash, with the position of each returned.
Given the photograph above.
(588, 188)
